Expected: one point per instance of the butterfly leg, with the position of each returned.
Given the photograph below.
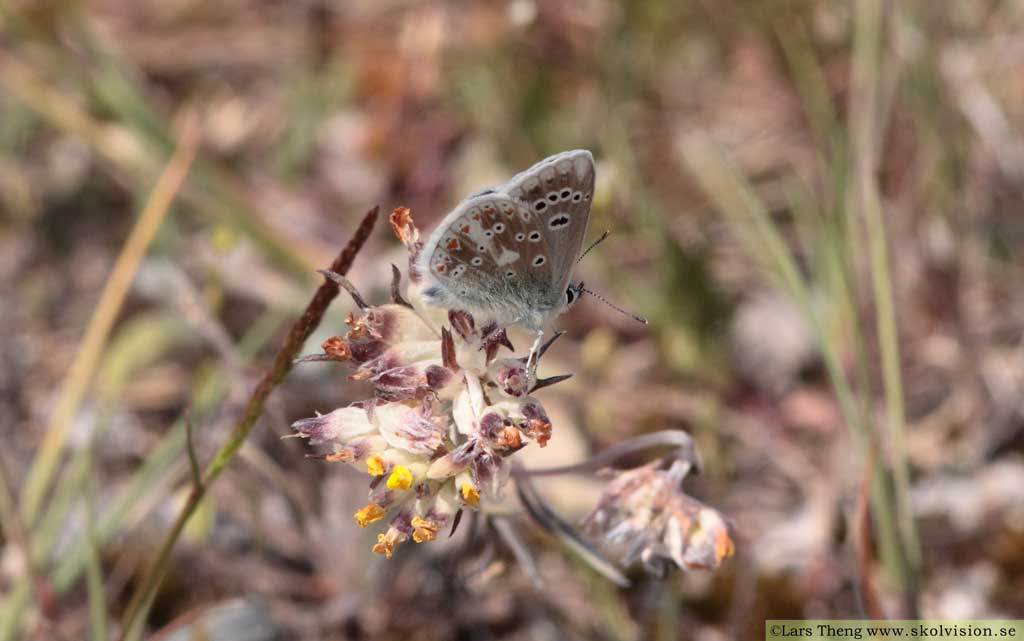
(531, 361)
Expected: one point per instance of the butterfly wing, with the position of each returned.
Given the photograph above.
(474, 261)
(510, 251)
(558, 190)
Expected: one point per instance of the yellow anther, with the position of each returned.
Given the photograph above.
(400, 479)
(724, 547)
(369, 514)
(470, 495)
(375, 465)
(424, 530)
(386, 542)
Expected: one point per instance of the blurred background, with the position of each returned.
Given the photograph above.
(816, 203)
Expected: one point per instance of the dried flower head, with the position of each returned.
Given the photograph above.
(645, 515)
(445, 415)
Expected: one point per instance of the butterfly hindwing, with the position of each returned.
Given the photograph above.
(474, 255)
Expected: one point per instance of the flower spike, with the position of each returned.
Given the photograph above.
(396, 288)
(315, 358)
(547, 382)
(544, 348)
(346, 285)
(448, 350)
(463, 324)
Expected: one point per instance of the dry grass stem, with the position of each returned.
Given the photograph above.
(131, 622)
(76, 384)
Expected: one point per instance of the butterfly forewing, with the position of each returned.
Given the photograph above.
(558, 192)
(511, 250)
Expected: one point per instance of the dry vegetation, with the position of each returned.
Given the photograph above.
(817, 204)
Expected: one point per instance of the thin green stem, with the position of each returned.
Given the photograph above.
(146, 481)
(736, 199)
(282, 364)
(73, 391)
(94, 565)
(865, 125)
(213, 193)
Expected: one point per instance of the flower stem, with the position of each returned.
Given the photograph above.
(676, 439)
(866, 124)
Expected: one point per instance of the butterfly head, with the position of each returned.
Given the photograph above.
(572, 294)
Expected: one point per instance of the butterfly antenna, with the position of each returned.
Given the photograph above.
(639, 319)
(592, 245)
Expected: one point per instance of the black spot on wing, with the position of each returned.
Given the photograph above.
(561, 220)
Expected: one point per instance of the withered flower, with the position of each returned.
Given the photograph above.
(644, 514)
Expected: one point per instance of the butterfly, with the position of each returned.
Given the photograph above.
(508, 252)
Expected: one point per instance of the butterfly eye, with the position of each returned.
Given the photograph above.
(570, 296)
